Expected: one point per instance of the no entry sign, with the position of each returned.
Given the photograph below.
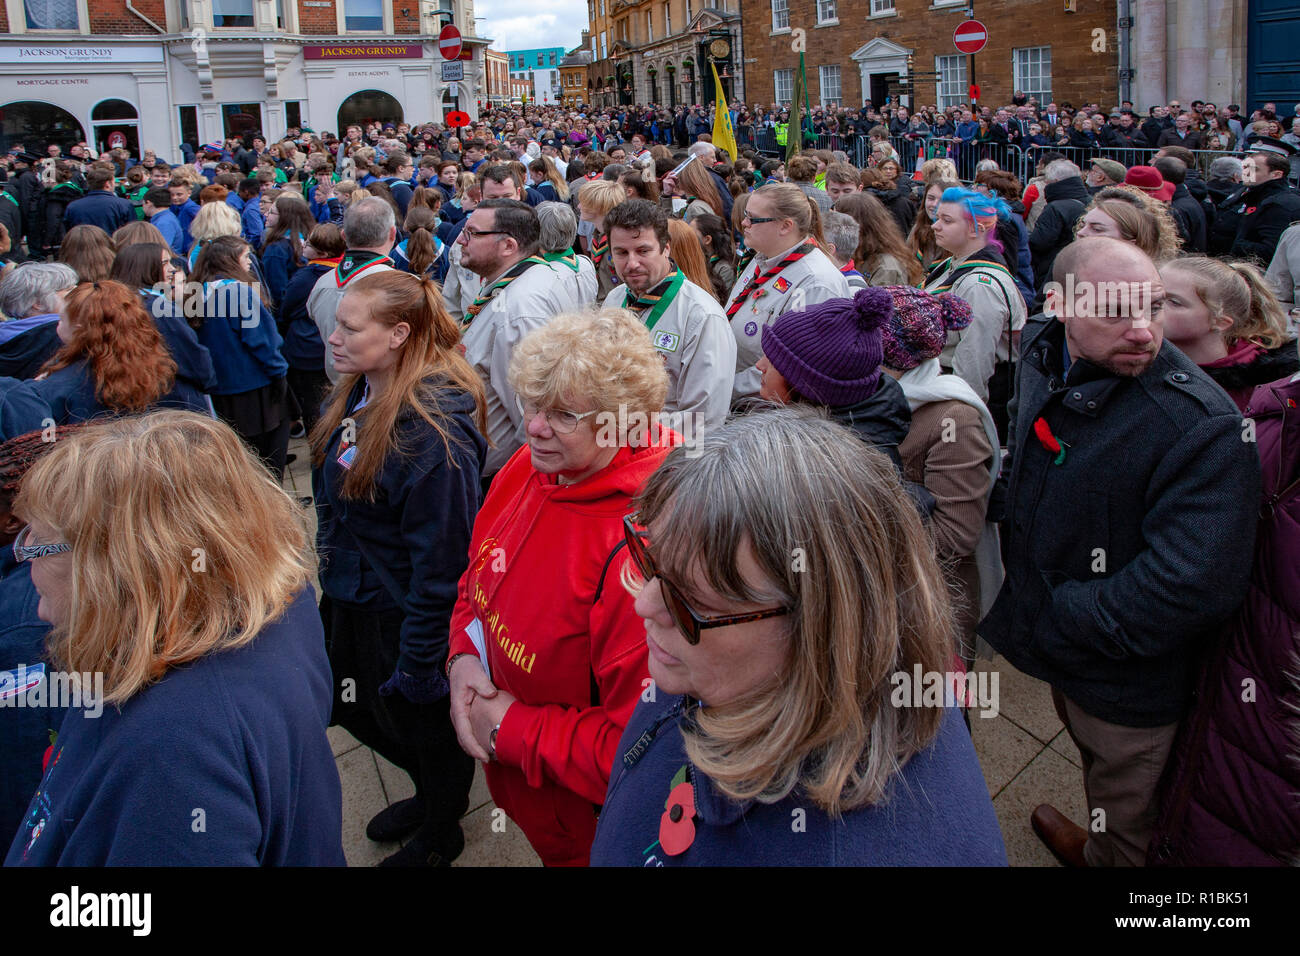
(970, 37)
(449, 42)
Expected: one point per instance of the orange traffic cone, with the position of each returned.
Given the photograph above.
(920, 158)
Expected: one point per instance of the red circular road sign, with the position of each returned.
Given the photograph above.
(970, 37)
(456, 119)
(449, 42)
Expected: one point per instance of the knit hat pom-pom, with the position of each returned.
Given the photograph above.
(874, 307)
(956, 314)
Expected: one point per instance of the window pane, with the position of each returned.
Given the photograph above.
(113, 110)
(293, 114)
(51, 14)
(825, 10)
(239, 118)
(188, 117)
(952, 80)
(363, 14)
(783, 84)
(830, 85)
(780, 14)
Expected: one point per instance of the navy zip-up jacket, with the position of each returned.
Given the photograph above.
(27, 344)
(99, 208)
(21, 409)
(242, 338)
(193, 360)
(24, 731)
(278, 265)
(238, 735)
(409, 547)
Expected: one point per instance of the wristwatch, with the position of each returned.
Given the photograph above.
(492, 743)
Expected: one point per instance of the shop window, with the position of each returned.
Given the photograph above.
(34, 125)
(188, 122)
(363, 14)
(240, 118)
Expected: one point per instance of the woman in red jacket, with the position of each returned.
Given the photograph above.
(547, 657)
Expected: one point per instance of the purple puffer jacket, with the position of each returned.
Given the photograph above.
(1231, 793)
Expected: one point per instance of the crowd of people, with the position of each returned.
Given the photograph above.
(645, 474)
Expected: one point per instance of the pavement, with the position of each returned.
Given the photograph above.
(1025, 752)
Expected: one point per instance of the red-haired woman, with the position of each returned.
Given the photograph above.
(113, 361)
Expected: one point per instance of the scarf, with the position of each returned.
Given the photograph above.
(487, 295)
(758, 280)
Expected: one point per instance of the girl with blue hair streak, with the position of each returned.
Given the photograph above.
(965, 226)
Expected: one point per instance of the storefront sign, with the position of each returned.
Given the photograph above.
(54, 81)
(55, 53)
(344, 52)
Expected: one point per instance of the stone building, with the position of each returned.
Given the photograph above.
(658, 51)
(156, 73)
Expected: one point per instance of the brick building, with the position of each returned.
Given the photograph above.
(573, 77)
(857, 50)
(496, 77)
(163, 72)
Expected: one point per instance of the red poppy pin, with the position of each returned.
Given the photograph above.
(1251, 209)
(1043, 432)
(677, 825)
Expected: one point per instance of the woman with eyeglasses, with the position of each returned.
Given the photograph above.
(396, 469)
(788, 273)
(177, 575)
(547, 657)
(791, 598)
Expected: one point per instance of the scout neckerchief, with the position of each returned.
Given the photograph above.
(970, 265)
(511, 274)
(568, 257)
(657, 299)
(331, 262)
(599, 245)
(760, 279)
(354, 264)
(744, 262)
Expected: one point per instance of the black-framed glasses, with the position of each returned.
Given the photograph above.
(26, 552)
(759, 220)
(688, 621)
(472, 233)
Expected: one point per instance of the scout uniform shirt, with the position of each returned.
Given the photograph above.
(766, 288)
(997, 309)
(577, 272)
(525, 297)
(461, 286)
(689, 329)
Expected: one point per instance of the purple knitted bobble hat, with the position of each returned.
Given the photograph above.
(831, 352)
(919, 325)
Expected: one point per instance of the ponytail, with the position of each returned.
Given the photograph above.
(1265, 324)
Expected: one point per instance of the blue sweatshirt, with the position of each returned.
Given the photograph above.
(252, 225)
(278, 265)
(24, 731)
(170, 227)
(242, 338)
(937, 812)
(27, 344)
(193, 360)
(223, 762)
(70, 395)
(185, 214)
(410, 545)
(303, 348)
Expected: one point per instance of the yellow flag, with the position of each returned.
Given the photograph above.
(724, 137)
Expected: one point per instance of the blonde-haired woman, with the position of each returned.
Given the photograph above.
(397, 459)
(1122, 212)
(788, 273)
(1225, 317)
(785, 729)
(169, 563)
(212, 221)
(596, 198)
(547, 658)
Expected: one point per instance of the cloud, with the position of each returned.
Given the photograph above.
(561, 26)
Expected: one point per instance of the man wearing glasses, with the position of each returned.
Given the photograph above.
(501, 243)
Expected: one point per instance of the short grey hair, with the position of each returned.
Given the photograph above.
(369, 223)
(985, 165)
(613, 171)
(843, 232)
(1225, 167)
(1060, 169)
(559, 226)
(704, 151)
(30, 288)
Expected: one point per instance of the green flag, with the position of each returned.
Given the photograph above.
(800, 113)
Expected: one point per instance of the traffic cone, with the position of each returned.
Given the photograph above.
(920, 158)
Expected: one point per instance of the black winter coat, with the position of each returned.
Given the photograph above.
(56, 203)
(1054, 229)
(1126, 556)
(900, 204)
(1267, 210)
(1190, 219)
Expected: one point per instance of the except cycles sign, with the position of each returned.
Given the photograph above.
(970, 37)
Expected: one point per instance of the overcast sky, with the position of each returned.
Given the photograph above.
(561, 25)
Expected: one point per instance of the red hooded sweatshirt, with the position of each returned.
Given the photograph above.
(575, 659)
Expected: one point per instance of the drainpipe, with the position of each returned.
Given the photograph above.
(132, 8)
(1125, 50)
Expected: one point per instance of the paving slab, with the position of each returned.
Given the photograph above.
(363, 797)
(493, 839)
(1025, 701)
(1049, 778)
(1004, 749)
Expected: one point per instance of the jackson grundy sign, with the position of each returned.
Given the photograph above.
(341, 51)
